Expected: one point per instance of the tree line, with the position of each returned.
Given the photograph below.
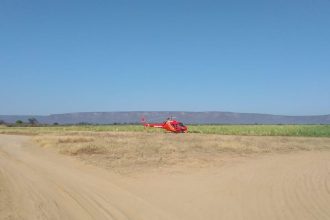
(30, 121)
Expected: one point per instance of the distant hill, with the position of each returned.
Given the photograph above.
(185, 117)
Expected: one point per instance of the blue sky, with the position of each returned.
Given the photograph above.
(242, 56)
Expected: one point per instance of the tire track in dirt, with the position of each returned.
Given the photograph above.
(276, 186)
(44, 185)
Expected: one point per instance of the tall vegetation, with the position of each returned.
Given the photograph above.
(33, 121)
(19, 122)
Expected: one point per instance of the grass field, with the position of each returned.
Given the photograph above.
(131, 146)
(246, 130)
(264, 130)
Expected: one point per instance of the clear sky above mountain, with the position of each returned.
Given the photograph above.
(242, 56)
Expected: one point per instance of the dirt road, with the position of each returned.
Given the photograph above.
(38, 183)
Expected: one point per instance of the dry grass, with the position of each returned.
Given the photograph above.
(121, 150)
(73, 145)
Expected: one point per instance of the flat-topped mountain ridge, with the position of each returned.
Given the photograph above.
(133, 117)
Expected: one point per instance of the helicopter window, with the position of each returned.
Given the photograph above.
(181, 124)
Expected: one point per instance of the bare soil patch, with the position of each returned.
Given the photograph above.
(38, 183)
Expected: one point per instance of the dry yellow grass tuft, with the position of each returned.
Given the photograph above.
(119, 150)
(62, 139)
(75, 139)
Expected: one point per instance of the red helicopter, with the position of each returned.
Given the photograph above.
(169, 125)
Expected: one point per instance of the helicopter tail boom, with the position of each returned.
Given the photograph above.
(145, 124)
